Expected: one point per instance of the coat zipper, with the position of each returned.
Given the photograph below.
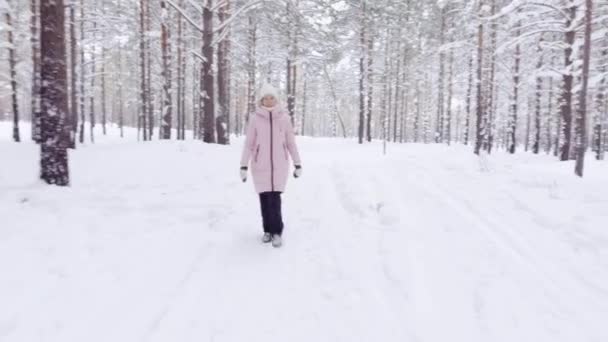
(271, 160)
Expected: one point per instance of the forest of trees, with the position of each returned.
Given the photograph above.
(516, 75)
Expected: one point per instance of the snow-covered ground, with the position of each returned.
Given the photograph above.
(159, 241)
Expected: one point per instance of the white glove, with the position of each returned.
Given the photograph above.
(297, 173)
(244, 174)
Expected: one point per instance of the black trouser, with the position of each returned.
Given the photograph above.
(271, 212)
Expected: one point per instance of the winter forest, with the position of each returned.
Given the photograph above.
(453, 181)
(493, 74)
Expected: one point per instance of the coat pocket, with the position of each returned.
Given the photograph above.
(257, 152)
(285, 151)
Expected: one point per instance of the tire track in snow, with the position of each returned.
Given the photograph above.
(550, 282)
(370, 214)
(179, 290)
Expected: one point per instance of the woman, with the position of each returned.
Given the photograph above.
(270, 141)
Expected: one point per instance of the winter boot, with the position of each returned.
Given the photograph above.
(277, 241)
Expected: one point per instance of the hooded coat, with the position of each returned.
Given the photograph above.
(268, 147)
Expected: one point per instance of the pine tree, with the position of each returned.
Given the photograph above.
(54, 101)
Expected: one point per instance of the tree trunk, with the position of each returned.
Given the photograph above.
(82, 75)
(54, 101)
(73, 75)
(150, 94)
(104, 111)
(142, 120)
(467, 129)
(515, 105)
(304, 100)
(528, 125)
(180, 70)
(251, 67)
(537, 109)
(362, 75)
(441, 87)
(184, 64)
(581, 117)
(404, 98)
(386, 90)
(370, 84)
(167, 108)
(104, 107)
(197, 127)
(480, 101)
(207, 78)
(13, 71)
(448, 118)
(418, 110)
(92, 90)
(120, 95)
(397, 86)
(223, 131)
(568, 79)
(35, 41)
(549, 127)
(489, 115)
(600, 107)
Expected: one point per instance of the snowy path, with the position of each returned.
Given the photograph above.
(160, 242)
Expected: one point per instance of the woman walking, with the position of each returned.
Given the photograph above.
(269, 144)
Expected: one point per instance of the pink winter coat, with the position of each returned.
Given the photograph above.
(270, 141)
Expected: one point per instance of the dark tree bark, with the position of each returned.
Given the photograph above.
(403, 117)
(121, 114)
(537, 104)
(397, 87)
(167, 108)
(448, 116)
(92, 117)
(150, 94)
(581, 117)
(143, 117)
(197, 127)
(480, 101)
(73, 75)
(600, 107)
(82, 75)
(54, 99)
(515, 105)
(181, 69)
(550, 118)
(489, 116)
(362, 76)
(207, 79)
(183, 63)
(528, 125)
(304, 102)
(441, 86)
(568, 82)
(418, 112)
(467, 128)
(103, 101)
(13, 71)
(370, 85)
(251, 68)
(223, 130)
(292, 54)
(35, 41)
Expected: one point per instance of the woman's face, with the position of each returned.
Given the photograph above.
(269, 101)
